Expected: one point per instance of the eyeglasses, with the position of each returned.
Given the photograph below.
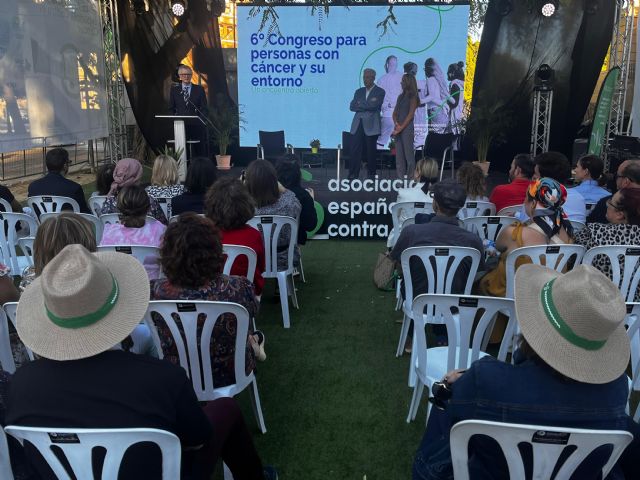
(185, 74)
(616, 176)
(613, 205)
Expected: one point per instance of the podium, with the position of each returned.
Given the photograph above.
(180, 137)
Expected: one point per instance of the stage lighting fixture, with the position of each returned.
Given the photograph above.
(178, 7)
(548, 7)
(544, 77)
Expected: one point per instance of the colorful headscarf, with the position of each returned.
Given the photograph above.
(551, 195)
(127, 171)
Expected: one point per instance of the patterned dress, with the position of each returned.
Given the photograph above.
(222, 288)
(287, 205)
(169, 191)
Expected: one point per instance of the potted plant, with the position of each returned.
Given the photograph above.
(392, 146)
(315, 145)
(488, 125)
(225, 119)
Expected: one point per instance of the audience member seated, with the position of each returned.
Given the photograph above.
(627, 176)
(556, 166)
(425, 175)
(442, 230)
(271, 198)
(134, 229)
(57, 232)
(128, 171)
(104, 178)
(200, 176)
(623, 213)
(514, 192)
(472, 179)
(546, 225)
(229, 206)
(590, 173)
(82, 381)
(192, 260)
(562, 373)
(164, 178)
(289, 176)
(55, 183)
(9, 293)
(6, 195)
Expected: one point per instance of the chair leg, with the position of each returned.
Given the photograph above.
(415, 401)
(292, 291)
(284, 299)
(301, 269)
(255, 404)
(227, 472)
(398, 294)
(406, 322)
(413, 378)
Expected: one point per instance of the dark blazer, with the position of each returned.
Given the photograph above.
(367, 110)
(177, 105)
(54, 183)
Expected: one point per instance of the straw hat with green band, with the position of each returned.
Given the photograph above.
(82, 304)
(573, 321)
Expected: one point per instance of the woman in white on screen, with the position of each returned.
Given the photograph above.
(435, 98)
(390, 83)
(455, 74)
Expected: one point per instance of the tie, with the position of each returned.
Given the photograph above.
(185, 94)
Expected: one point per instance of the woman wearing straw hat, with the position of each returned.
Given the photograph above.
(72, 316)
(569, 371)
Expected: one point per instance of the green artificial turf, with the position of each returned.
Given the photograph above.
(334, 396)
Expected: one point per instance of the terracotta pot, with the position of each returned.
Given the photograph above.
(223, 161)
(484, 166)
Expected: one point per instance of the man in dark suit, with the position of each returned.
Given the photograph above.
(55, 183)
(365, 127)
(187, 98)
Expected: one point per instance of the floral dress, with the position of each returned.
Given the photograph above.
(223, 288)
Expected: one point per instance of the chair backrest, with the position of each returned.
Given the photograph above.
(441, 265)
(165, 205)
(26, 245)
(632, 322)
(625, 266)
(577, 226)
(52, 204)
(140, 252)
(108, 218)
(477, 208)
(463, 316)
(347, 139)
(556, 257)
(234, 251)
(547, 446)
(96, 202)
(5, 461)
(488, 228)
(5, 206)
(93, 219)
(10, 309)
(272, 142)
(402, 211)
(271, 228)
(194, 343)
(510, 211)
(6, 355)
(9, 239)
(77, 444)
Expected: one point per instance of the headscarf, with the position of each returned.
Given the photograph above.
(438, 74)
(128, 171)
(551, 195)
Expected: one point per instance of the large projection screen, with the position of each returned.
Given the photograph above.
(51, 73)
(303, 80)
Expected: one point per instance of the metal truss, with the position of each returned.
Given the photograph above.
(619, 56)
(116, 100)
(541, 121)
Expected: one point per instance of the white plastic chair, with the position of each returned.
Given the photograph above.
(556, 257)
(6, 206)
(194, 346)
(402, 211)
(175, 217)
(625, 266)
(94, 220)
(546, 453)
(77, 444)
(632, 322)
(51, 204)
(577, 226)
(477, 208)
(441, 265)
(233, 252)
(271, 228)
(10, 309)
(510, 211)
(5, 462)
(96, 202)
(165, 205)
(140, 252)
(460, 315)
(26, 245)
(109, 218)
(8, 242)
(488, 228)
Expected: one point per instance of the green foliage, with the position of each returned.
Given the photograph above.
(172, 152)
(226, 119)
(314, 143)
(488, 125)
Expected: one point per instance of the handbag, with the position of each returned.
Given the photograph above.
(384, 273)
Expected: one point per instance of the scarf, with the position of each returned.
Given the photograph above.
(127, 171)
(551, 195)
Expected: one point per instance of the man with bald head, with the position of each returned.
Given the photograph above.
(627, 176)
(365, 127)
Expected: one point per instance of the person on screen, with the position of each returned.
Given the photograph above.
(435, 97)
(187, 98)
(420, 116)
(455, 74)
(403, 120)
(15, 123)
(365, 127)
(390, 83)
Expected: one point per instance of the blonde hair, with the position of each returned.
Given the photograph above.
(165, 171)
(57, 232)
(426, 169)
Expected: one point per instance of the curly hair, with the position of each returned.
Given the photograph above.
(191, 252)
(133, 204)
(228, 204)
(470, 176)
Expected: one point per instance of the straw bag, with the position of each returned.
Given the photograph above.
(384, 274)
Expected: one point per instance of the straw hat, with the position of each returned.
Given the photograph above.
(82, 304)
(573, 321)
